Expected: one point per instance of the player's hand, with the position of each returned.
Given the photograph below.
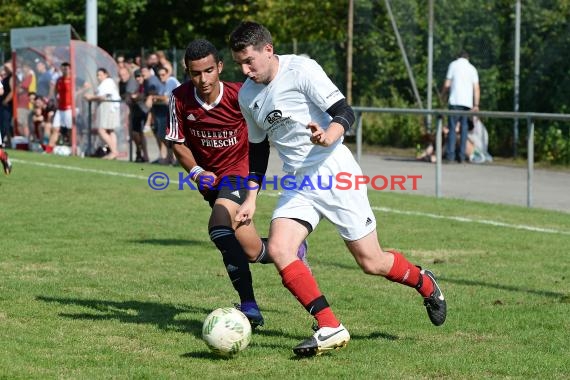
(244, 213)
(206, 180)
(319, 135)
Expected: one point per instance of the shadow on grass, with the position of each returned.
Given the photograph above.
(537, 292)
(152, 313)
(172, 242)
(204, 355)
(163, 317)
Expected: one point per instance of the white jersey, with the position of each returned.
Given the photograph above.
(301, 92)
(463, 76)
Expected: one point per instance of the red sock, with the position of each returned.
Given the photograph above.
(408, 274)
(2, 154)
(301, 283)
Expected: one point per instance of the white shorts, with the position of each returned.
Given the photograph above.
(62, 119)
(315, 195)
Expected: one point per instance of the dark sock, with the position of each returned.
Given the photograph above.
(263, 257)
(235, 261)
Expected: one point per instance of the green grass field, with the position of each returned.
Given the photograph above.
(101, 277)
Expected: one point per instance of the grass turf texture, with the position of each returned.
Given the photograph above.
(101, 277)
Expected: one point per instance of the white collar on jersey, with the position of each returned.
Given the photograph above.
(205, 105)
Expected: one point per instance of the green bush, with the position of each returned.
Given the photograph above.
(400, 131)
(551, 145)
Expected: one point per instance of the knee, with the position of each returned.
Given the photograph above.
(370, 268)
(377, 266)
(275, 249)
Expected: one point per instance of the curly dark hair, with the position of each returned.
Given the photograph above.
(199, 49)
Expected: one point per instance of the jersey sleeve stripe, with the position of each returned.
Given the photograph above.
(173, 130)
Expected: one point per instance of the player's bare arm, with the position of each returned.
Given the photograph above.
(325, 138)
(342, 119)
(186, 159)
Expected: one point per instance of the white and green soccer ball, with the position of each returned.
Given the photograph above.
(226, 331)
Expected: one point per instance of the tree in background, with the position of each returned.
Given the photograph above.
(485, 29)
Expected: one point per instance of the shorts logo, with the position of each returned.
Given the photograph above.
(235, 194)
(255, 106)
(368, 222)
(274, 116)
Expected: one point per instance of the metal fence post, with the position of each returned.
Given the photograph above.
(89, 126)
(359, 137)
(530, 162)
(438, 155)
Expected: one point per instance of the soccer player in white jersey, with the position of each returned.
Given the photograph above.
(290, 100)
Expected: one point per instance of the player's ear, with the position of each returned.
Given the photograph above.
(268, 48)
(220, 67)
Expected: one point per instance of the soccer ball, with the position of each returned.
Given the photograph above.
(226, 331)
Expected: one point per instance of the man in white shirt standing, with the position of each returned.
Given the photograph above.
(289, 101)
(462, 83)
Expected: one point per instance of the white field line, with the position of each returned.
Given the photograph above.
(274, 194)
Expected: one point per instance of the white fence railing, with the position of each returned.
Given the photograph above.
(530, 117)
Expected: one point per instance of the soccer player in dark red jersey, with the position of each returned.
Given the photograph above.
(209, 138)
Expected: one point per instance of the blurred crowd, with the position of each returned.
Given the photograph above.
(135, 102)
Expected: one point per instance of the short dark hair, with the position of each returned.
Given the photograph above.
(199, 49)
(250, 33)
(65, 64)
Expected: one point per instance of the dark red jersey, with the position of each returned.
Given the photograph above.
(215, 133)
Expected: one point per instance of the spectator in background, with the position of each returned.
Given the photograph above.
(121, 61)
(6, 164)
(131, 90)
(153, 63)
(132, 65)
(462, 84)
(63, 114)
(42, 116)
(25, 85)
(152, 87)
(137, 62)
(164, 62)
(160, 111)
(44, 78)
(108, 111)
(6, 103)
